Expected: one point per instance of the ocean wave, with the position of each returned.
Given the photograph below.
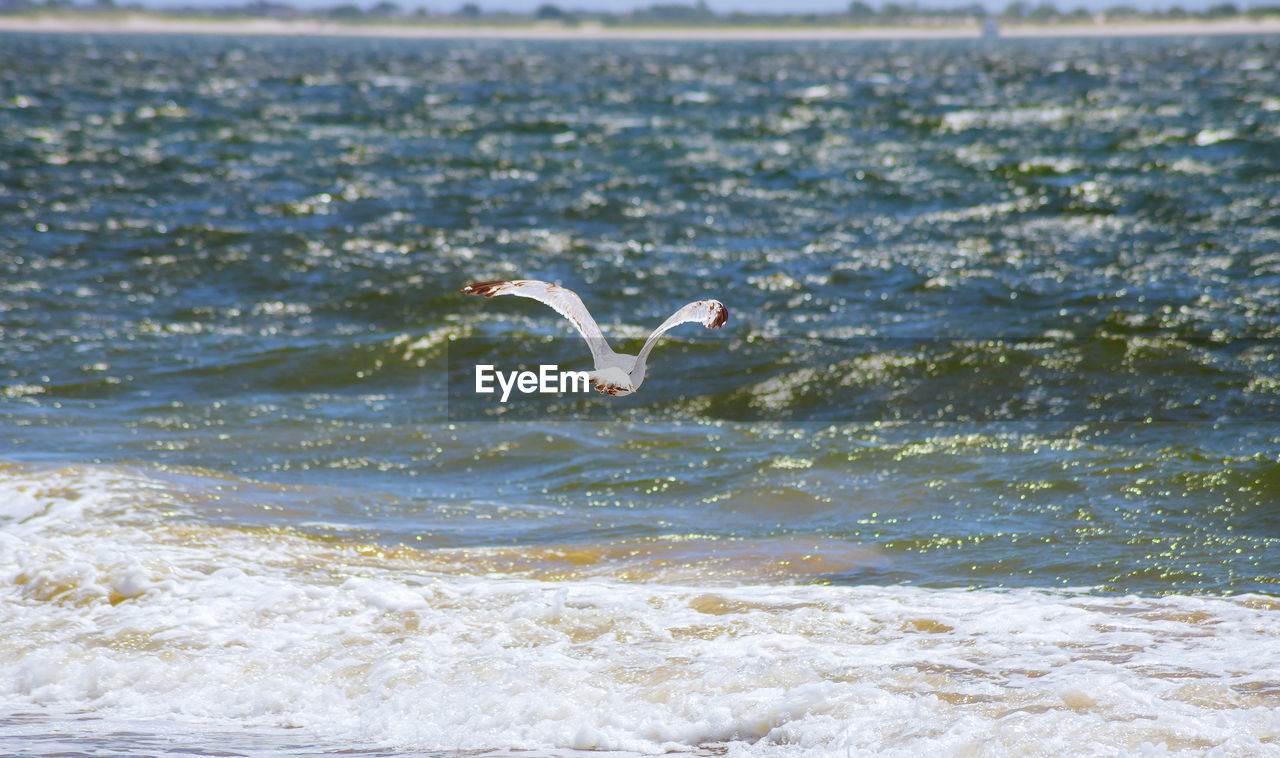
(147, 619)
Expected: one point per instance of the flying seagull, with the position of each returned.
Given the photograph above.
(616, 373)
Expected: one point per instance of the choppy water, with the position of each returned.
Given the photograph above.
(985, 461)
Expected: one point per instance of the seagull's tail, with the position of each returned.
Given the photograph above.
(612, 381)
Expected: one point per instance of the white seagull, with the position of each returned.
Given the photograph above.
(616, 373)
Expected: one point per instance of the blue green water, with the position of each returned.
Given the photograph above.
(1004, 314)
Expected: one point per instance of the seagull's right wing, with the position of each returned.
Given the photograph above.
(565, 302)
(710, 313)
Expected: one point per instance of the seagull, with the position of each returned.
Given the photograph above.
(616, 373)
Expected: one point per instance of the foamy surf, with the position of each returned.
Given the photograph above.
(117, 603)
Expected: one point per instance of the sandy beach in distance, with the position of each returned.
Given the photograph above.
(143, 24)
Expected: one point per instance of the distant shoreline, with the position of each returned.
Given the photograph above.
(150, 24)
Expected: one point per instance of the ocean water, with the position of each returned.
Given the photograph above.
(986, 461)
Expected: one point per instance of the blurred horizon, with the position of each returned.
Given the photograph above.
(737, 6)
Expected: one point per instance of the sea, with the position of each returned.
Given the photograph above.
(985, 462)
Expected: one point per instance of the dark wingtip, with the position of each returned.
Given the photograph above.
(720, 318)
(482, 288)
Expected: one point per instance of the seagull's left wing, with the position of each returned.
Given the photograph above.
(710, 313)
(565, 302)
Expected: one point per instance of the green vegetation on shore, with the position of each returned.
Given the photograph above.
(470, 13)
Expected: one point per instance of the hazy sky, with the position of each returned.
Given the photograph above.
(795, 6)
(720, 6)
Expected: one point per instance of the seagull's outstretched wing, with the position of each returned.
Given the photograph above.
(565, 302)
(710, 313)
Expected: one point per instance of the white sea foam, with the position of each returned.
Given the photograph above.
(112, 607)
